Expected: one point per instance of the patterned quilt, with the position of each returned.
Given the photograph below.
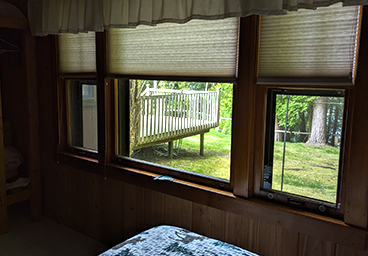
(169, 240)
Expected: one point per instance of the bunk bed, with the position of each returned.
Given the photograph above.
(18, 105)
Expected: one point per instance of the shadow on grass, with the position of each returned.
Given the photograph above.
(215, 164)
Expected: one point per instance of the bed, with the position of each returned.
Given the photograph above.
(170, 240)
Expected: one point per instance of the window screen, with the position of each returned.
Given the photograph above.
(303, 142)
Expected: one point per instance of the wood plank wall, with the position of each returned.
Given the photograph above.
(111, 211)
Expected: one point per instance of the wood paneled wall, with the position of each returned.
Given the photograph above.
(111, 211)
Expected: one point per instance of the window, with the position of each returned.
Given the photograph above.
(303, 145)
(311, 55)
(187, 122)
(83, 114)
(182, 125)
(158, 101)
(167, 89)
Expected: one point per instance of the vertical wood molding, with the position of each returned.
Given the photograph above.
(356, 190)
(259, 136)
(243, 109)
(3, 203)
(33, 143)
(101, 99)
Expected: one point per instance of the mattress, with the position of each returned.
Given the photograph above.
(170, 240)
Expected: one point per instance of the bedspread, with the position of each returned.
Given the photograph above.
(169, 240)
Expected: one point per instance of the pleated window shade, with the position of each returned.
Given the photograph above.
(77, 53)
(198, 48)
(309, 46)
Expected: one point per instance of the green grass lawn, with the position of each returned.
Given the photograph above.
(215, 161)
(309, 171)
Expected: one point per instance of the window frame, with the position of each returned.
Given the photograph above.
(160, 169)
(64, 143)
(281, 197)
(331, 209)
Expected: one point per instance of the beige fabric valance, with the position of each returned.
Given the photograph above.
(74, 16)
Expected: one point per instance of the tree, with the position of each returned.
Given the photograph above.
(334, 119)
(318, 131)
(136, 88)
(297, 115)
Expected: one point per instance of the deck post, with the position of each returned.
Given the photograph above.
(201, 144)
(171, 149)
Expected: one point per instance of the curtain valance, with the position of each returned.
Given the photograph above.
(74, 16)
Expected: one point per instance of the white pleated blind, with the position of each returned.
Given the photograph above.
(199, 48)
(318, 45)
(77, 53)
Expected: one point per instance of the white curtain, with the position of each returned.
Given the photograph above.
(74, 16)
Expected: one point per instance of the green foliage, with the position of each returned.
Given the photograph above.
(226, 102)
(297, 104)
(300, 112)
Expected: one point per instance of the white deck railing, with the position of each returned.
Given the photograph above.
(168, 115)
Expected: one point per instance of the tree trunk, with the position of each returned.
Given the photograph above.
(302, 127)
(318, 132)
(334, 129)
(310, 118)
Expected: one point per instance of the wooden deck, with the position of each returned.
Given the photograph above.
(168, 115)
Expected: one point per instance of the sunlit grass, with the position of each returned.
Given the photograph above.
(215, 162)
(216, 159)
(308, 171)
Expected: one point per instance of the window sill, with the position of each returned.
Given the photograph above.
(312, 224)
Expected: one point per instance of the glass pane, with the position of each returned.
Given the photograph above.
(184, 125)
(83, 114)
(306, 148)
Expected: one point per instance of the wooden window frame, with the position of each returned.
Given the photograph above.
(282, 197)
(259, 146)
(160, 169)
(64, 121)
